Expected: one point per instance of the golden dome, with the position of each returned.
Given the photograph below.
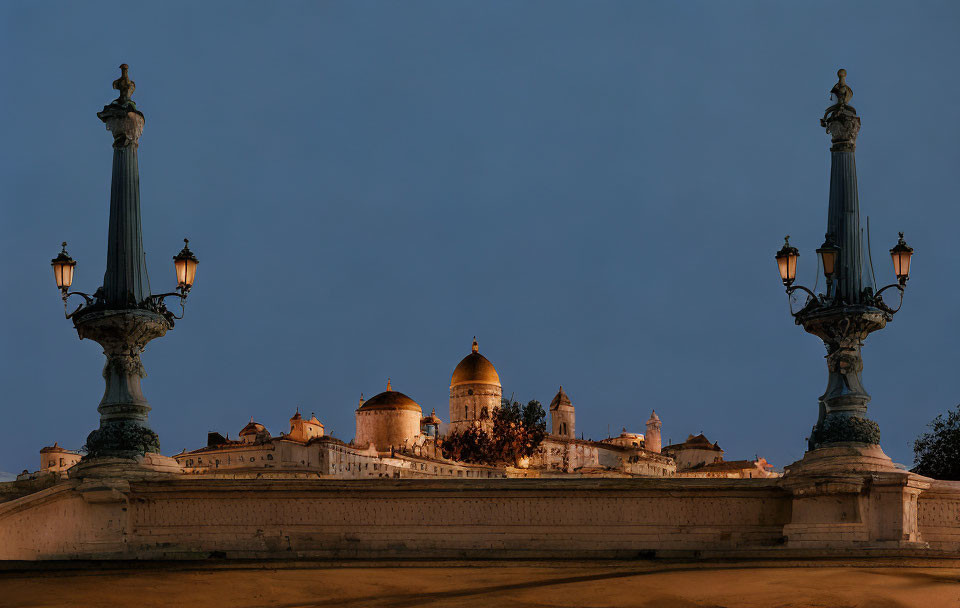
(475, 369)
(390, 400)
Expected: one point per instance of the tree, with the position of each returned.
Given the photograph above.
(516, 433)
(937, 453)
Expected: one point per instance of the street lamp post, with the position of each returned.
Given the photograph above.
(122, 315)
(849, 310)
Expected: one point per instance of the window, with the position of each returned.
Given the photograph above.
(470, 391)
(269, 456)
(464, 412)
(252, 459)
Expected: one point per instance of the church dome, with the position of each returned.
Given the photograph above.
(389, 400)
(253, 428)
(475, 369)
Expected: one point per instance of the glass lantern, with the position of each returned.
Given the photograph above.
(787, 262)
(901, 254)
(828, 253)
(185, 264)
(63, 267)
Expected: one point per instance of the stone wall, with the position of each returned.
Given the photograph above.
(939, 515)
(468, 401)
(196, 517)
(242, 517)
(387, 428)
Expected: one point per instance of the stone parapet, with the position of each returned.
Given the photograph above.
(196, 517)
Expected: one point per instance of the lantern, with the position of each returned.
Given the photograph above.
(828, 256)
(186, 266)
(63, 266)
(901, 254)
(787, 262)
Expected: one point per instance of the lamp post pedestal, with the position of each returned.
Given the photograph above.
(852, 495)
(124, 431)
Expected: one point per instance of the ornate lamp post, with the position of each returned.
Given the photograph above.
(849, 311)
(122, 315)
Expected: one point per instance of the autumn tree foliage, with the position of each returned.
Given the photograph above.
(937, 453)
(513, 433)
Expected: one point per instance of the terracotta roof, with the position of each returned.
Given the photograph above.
(56, 448)
(252, 428)
(431, 419)
(731, 465)
(699, 442)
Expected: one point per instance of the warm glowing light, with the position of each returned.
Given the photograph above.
(185, 264)
(787, 262)
(828, 256)
(63, 267)
(901, 254)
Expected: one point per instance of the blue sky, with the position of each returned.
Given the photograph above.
(594, 189)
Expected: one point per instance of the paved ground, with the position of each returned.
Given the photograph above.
(500, 586)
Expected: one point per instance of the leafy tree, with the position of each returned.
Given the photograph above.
(937, 453)
(516, 433)
(469, 445)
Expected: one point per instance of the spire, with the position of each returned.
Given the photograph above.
(389, 387)
(125, 282)
(361, 399)
(560, 399)
(843, 217)
(476, 347)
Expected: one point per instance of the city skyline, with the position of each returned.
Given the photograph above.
(614, 235)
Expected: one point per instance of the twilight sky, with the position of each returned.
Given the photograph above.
(594, 189)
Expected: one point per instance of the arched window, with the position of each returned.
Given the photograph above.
(269, 456)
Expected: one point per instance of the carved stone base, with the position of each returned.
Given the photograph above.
(838, 428)
(121, 439)
(852, 495)
(150, 466)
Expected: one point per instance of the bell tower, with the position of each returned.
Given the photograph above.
(562, 416)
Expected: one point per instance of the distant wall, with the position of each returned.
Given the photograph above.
(397, 518)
